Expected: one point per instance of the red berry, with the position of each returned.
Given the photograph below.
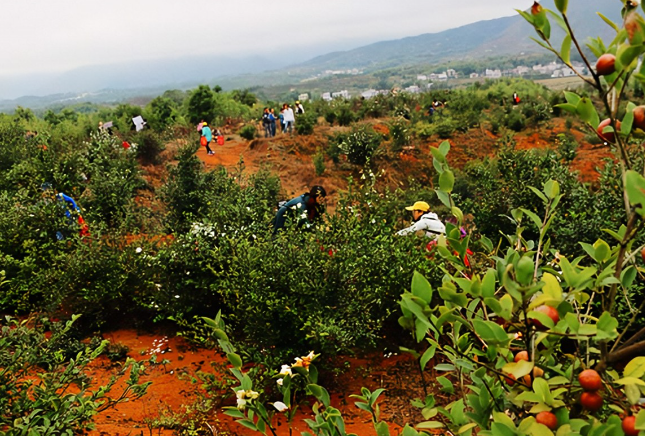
(607, 136)
(548, 419)
(629, 426)
(591, 401)
(522, 355)
(549, 311)
(606, 64)
(590, 380)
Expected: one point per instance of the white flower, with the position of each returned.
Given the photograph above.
(139, 250)
(279, 381)
(280, 406)
(239, 394)
(241, 403)
(285, 370)
(176, 296)
(252, 395)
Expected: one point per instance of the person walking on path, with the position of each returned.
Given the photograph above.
(305, 209)
(281, 117)
(424, 220)
(289, 119)
(266, 122)
(272, 119)
(208, 135)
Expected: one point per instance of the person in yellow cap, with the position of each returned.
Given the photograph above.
(424, 220)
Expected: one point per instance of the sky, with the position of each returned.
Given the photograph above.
(48, 36)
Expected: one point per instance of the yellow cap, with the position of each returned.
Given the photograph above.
(419, 205)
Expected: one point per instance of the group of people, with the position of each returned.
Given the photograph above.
(308, 207)
(287, 118)
(207, 136)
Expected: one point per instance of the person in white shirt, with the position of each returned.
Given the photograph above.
(424, 220)
(289, 118)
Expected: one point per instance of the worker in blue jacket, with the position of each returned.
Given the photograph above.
(305, 209)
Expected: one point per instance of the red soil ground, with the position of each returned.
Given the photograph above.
(291, 157)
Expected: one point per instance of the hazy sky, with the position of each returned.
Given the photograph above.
(39, 36)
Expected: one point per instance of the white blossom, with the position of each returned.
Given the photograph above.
(280, 406)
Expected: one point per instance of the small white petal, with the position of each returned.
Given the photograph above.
(280, 406)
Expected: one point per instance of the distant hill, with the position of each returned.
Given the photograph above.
(501, 36)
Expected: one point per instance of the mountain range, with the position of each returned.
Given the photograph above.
(484, 39)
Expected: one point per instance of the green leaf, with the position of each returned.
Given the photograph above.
(551, 188)
(635, 367)
(627, 123)
(382, 429)
(457, 213)
(430, 424)
(427, 355)
(524, 270)
(444, 148)
(635, 188)
(447, 181)
(561, 5)
(444, 197)
(601, 251)
(608, 21)
(568, 107)
(490, 332)
(421, 287)
(488, 283)
(235, 360)
(536, 220)
(607, 327)
(640, 420)
(587, 112)
(518, 369)
(436, 153)
(446, 385)
(627, 276)
(444, 367)
(572, 98)
(565, 51)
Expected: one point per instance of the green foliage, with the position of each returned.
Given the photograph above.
(161, 113)
(244, 96)
(201, 105)
(319, 162)
(305, 124)
(248, 132)
(46, 392)
(399, 131)
(359, 145)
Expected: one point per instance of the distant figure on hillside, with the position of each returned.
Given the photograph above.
(516, 99)
(199, 127)
(206, 133)
(289, 118)
(266, 122)
(424, 220)
(305, 209)
(272, 119)
(75, 221)
(299, 109)
(281, 117)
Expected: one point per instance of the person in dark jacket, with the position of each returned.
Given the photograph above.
(305, 209)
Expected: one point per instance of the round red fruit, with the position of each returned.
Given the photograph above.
(509, 379)
(522, 355)
(629, 426)
(639, 117)
(590, 380)
(606, 64)
(591, 401)
(548, 419)
(607, 136)
(549, 311)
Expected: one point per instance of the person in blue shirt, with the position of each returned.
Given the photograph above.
(305, 209)
(206, 133)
